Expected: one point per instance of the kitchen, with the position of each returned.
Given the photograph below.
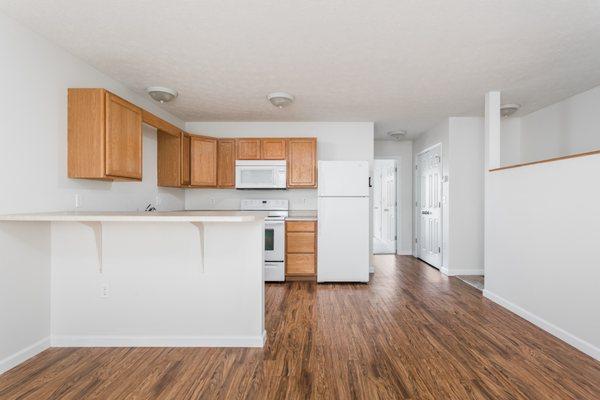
(225, 174)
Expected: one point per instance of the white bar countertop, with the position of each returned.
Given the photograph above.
(132, 216)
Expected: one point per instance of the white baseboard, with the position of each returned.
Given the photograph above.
(23, 355)
(554, 330)
(454, 272)
(159, 341)
(404, 252)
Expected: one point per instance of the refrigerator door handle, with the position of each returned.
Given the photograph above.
(370, 183)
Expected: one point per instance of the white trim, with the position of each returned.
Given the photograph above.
(404, 252)
(454, 272)
(23, 355)
(554, 330)
(159, 341)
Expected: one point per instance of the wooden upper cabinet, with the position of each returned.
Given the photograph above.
(185, 150)
(302, 163)
(273, 149)
(173, 159)
(203, 160)
(226, 163)
(104, 136)
(168, 159)
(123, 138)
(248, 149)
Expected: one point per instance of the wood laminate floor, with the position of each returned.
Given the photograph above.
(411, 333)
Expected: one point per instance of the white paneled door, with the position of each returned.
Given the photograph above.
(384, 206)
(429, 206)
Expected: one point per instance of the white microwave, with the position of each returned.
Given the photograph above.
(260, 174)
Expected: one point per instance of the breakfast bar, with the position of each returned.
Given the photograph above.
(154, 278)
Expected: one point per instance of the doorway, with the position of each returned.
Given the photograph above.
(429, 206)
(384, 206)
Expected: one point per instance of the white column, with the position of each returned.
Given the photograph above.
(492, 158)
(492, 129)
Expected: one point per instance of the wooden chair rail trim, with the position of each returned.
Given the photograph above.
(588, 153)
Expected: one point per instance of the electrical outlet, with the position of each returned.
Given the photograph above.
(78, 201)
(104, 291)
(157, 200)
(213, 202)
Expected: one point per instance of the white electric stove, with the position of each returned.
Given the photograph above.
(274, 234)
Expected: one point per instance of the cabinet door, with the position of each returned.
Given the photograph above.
(248, 149)
(273, 149)
(203, 155)
(185, 159)
(302, 162)
(168, 159)
(301, 242)
(123, 138)
(301, 264)
(226, 163)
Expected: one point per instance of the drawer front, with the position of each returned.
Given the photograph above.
(301, 226)
(300, 242)
(300, 264)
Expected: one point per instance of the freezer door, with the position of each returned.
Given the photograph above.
(343, 239)
(343, 178)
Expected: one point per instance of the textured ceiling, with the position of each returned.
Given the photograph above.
(403, 64)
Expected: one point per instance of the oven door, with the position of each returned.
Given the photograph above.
(274, 241)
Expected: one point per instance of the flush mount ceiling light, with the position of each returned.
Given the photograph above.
(280, 99)
(161, 94)
(509, 109)
(397, 135)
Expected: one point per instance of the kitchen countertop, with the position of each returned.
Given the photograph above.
(302, 215)
(120, 216)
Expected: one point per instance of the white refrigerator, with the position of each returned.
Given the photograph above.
(343, 228)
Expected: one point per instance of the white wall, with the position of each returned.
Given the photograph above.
(567, 127)
(462, 140)
(542, 258)
(510, 141)
(33, 151)
(466, 153)
(402, 152)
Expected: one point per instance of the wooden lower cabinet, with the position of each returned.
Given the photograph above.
(301, 249)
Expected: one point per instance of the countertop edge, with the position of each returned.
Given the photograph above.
(133, 217)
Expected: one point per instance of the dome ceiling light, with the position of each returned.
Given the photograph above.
(280, 99)
(397, 135)
(161, 94)
(509, 109)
